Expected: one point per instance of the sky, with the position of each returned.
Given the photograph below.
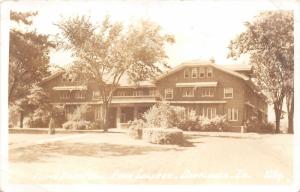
(202, 29)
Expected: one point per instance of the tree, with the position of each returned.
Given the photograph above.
(28, 58)
(269, 41)
(109, 51)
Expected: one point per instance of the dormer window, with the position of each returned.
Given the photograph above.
(209, 72)
(201, 72)
(186, 73)
(194, 73)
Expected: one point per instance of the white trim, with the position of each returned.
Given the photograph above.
(197, 84)
(66, 88)
(206, 102)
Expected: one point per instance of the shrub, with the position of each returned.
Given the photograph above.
(218, 123)
(77, 125)
(135, 129)
(79, 113)
(267, 127)
(163, 136)
(164, 115)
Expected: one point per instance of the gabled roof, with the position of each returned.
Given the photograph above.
(197, 63)
(52, 76)
(238, 67)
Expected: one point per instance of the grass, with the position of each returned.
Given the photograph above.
(206, 158)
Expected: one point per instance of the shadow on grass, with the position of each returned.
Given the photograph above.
(41, 152)
(196, 136)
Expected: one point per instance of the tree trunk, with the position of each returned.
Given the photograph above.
(290, 110)
(104, 121)
(277, 110)
(21, 119)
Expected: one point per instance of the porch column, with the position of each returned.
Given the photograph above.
(135, 113)
(118, 117)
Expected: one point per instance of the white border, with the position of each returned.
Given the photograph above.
(4, 133)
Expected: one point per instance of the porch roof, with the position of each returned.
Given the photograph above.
(70, 88)
(197, 84)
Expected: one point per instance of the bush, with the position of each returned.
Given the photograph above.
(135, 129)
(267, 127)
(218, 123)
(164, 115)
(163, 136)
(77, 125)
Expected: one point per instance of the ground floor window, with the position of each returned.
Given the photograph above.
(233, 114)
(209, 112)
(98, 113)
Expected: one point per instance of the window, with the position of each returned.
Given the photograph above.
(233, 114)
(121, 93)
(186, 73)
(79, 94)
(208, 92)
(138, 93)
(209, 112)
(228, 93)
(96, 95)
(209, 72)
(194, 73)
(152, 92)
(187, 92)
(98, 113)
(201, 72)
(65, 95)
(169, 93)
(68, 110)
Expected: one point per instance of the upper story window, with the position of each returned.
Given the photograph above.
(187, 92)
(138, 93)
(79, 94)
(65, 95)
(228, 93)
(168, 93)
(186, 73)
(201, 72)
(194, 72)
(152, 92)
(209, 72)
(208, 92)
(96, 95)
(233, 114)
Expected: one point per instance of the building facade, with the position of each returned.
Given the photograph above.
(205, 87)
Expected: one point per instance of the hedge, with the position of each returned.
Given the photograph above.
(163, 135)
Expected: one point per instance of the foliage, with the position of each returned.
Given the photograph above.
(28, 56)
(267, 127)
(108, 51)
(77, 125)
(79, 113)
(269, 41)
(163, 136)
(164, 115)
(135, 129)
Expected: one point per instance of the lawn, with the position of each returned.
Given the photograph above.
(114, 158)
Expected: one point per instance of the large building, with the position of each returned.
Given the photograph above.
(203, 86)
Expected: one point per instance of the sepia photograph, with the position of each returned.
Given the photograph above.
(177, 94)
